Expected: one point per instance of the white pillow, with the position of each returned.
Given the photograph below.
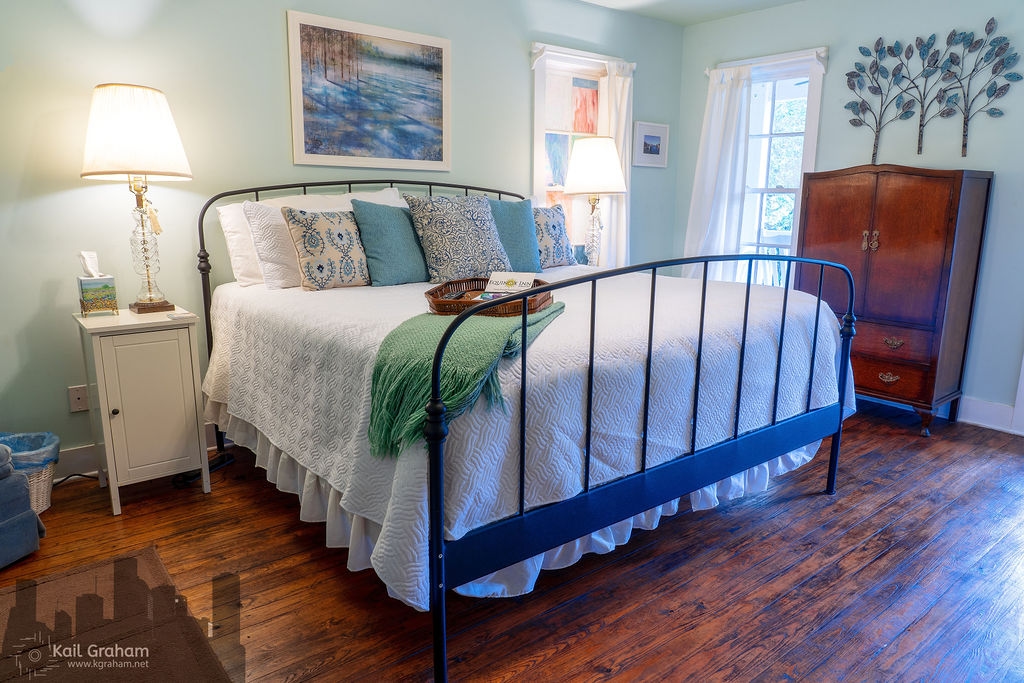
(279, 261)
(245, 263)
(389, 196)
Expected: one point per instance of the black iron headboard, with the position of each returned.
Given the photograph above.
(419, 186)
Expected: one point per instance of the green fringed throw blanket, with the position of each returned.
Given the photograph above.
(401, 374)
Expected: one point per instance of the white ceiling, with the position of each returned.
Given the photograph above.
(687, 12)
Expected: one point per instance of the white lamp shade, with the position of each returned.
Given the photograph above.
(594, 168)
(132, 133)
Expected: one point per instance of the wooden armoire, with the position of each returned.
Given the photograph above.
(912, 239)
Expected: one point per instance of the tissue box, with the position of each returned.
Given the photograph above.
(97, 294)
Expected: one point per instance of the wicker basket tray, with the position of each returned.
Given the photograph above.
(473, 286)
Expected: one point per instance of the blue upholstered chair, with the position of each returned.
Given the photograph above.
(20, 526)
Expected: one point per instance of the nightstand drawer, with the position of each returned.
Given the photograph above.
(891, 379)
(890, 341)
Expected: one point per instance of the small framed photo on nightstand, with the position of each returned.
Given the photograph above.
(96, 294)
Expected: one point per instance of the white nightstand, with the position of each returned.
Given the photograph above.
(144, 396)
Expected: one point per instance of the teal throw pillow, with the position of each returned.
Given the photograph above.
(393, 254)
(517, 233)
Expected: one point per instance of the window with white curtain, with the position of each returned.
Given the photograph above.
(759, 137)
(577, 94)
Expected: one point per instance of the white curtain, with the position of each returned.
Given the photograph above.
(616, 120)
(719, 184)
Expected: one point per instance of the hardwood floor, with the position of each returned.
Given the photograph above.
(913, 571)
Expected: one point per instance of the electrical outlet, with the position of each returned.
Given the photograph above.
(78, 398)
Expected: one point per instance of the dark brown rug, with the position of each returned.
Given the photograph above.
(120, 619)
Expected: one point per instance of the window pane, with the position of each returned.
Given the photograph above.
(751, 218)
(761, 107)
(558, 102)
(584, 104)
(777, 219)
(757, 162)
(556, 148)
(786, 159)
(790, 106)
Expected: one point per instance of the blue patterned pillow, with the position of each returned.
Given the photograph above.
(552, 238)
(328, 246)
(393, 253)
(517, 233)
(458, 236)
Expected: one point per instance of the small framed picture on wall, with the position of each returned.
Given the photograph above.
(650, 144)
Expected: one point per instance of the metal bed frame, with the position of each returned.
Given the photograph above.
(530, 532)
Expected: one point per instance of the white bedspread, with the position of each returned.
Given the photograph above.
(291, 372)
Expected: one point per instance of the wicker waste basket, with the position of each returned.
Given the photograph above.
(34, 454)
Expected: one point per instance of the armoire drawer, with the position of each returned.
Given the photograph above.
(890, 341)
(890, 378)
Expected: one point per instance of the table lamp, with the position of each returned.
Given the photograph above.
(594, 169)
(132, 137)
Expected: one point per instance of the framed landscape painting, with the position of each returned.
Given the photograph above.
(650, 144)
(368, 96)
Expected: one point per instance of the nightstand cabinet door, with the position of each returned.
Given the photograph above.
(151, 403)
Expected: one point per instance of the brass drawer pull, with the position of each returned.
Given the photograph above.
(864, 242)
(888, 378)
(893, 342)
(874, 241)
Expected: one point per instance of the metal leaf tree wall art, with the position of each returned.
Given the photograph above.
(978, 77)
(882, 85)
(965, 77)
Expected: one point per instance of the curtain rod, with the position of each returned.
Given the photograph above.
(820, 54)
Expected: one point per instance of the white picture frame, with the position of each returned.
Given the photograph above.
(339, 116)
(650, 144)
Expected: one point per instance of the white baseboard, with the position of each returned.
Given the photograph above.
(77, 460)
(985, 414)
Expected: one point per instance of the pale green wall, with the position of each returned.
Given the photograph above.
(997, 343)
(223, 66)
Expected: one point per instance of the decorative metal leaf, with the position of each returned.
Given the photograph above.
(897, 70)
(859, 67)
(993, 112)
(909, 52)
(898, 78)
(851, 74)
(908, 105)
(853, 106)
(873, 67)
(851, 84)
(953, 99)
(933, 58)
(864, 107)
(990, 91)
(918, 42)
(864, 51)
(1011, 61)
(883, 72)
(947, 113)
(1001, 50)
(948, 76)
(953, 59)
(1013, 76)
(874, 90)
(898, 101)
(967, 38)
(998, 66)
(907, 114)
(1001, 90)
(860, 83)
(929, 72)
(940, 95)
(856, 123)
(976, 45)
(897, 47)
(990, 26)
(998, 40)
(951, 37)
(892, 51)
(990, 54)
(879, 44)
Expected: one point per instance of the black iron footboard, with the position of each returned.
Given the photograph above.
(530, 532)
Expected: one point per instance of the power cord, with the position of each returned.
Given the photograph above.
(185, 479)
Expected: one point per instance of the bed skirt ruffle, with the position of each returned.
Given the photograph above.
(320, 502)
